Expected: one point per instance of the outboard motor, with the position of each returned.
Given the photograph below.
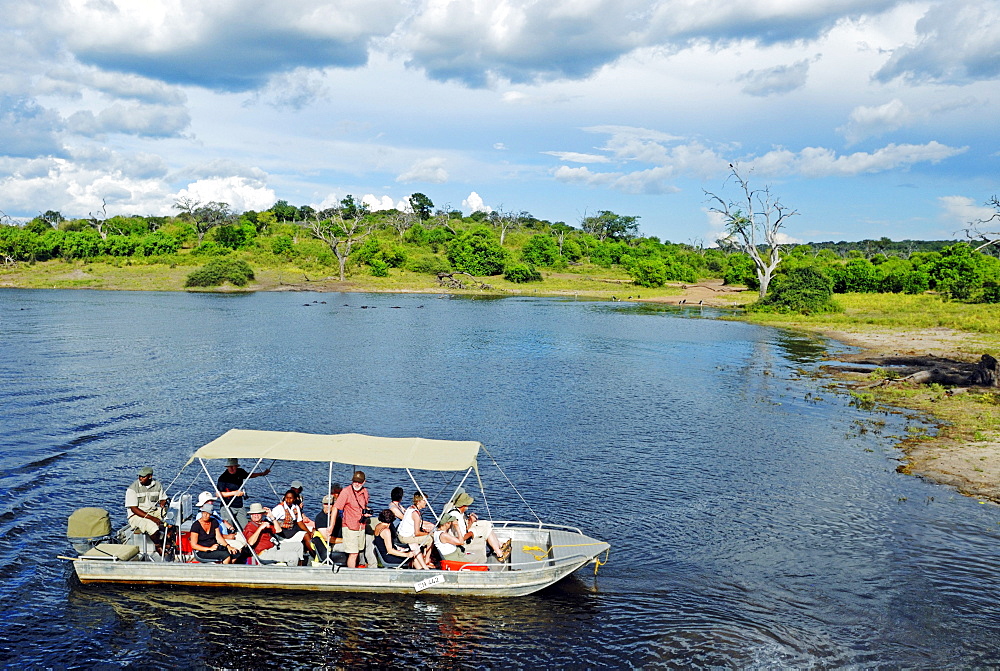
(88, 527)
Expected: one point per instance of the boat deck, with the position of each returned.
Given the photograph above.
(541, 555)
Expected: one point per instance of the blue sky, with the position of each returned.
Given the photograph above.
(870, 117)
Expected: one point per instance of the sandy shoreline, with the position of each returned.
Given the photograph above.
(971, 467)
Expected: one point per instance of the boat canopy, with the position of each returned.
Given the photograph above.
(345, 448)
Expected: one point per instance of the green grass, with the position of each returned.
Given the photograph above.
(898, 311)
(274, 273)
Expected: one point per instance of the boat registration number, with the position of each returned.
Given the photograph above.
(428, 582)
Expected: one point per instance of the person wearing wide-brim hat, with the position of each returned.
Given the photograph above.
(230, 485)
(447, 541)
(260, 533)
(477, 534)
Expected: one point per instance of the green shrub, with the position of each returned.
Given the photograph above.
(118, 245)
(520, 273)
(210, 248)
(157, 243)
(540, 250)
(857, 276)
(571, 250)
(382, 251)
(803, 290)
(379, 268)
(478, 253)
(740, 269)
(649, 272)
(18, 243)
(427, 263)
(236, 237)
(85, 244)
(219, 271)
(281, 245)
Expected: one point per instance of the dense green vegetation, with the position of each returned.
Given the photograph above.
(803, 289)
(957, 271)
(518, 247)
(515, 246)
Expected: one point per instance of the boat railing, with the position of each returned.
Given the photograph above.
(541, 526)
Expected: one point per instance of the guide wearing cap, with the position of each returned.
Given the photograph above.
(144, 503)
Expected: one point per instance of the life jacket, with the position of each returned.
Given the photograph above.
(287, 522)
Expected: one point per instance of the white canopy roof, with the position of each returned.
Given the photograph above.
(345, 448)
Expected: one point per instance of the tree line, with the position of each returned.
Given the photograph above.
(348, 238)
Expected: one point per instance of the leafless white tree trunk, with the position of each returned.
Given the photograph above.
(401, 222)
(506, 221)
(753, 222)
(340, 233)
(98, 220)
(975, 230)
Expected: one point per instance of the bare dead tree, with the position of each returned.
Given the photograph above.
(753, 223)
(442, 219)
(401, 222)
(341, 232)
(506, 221)
(98, 220)
(977, 229)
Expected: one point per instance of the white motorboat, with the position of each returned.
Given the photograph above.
(541, 553)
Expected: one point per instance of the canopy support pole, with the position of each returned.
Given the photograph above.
(415, 484)
(460, 486)
(225, 505)
(329, 481)
(482, 490)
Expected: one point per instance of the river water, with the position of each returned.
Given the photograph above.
(755, 516)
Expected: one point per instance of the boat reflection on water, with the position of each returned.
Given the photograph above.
(196, 627)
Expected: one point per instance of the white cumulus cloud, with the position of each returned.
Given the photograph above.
(867, 122)
(958, 41)
(376, 203)
(239, 192)
(960, 211)
(822, 162)
(474, 203)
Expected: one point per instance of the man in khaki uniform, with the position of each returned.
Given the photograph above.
(144, 504)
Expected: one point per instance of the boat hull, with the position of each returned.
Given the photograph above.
(542, 555)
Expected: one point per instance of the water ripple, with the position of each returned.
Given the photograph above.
(753, 525)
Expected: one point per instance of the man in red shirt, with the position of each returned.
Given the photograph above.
(353, 504)
(260, 532)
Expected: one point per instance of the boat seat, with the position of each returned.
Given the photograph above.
(112, 552)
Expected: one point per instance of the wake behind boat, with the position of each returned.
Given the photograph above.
(540, 554)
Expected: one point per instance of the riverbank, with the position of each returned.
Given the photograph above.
(585, 281)
(896, 335)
